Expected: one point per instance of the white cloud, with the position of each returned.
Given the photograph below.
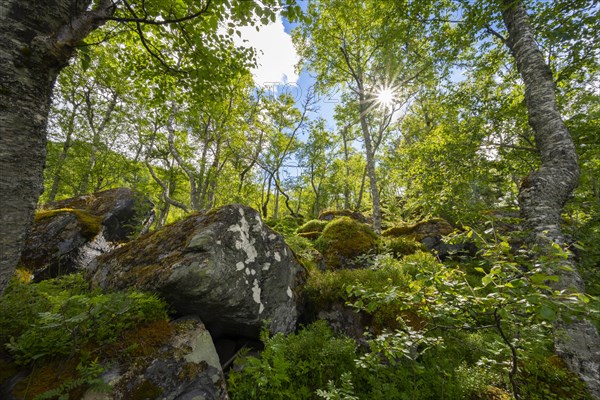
(275, 53)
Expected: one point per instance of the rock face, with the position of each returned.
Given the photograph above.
(226, 266)
(420, 230)
(69, 234)
(185, 368)
(430, 234)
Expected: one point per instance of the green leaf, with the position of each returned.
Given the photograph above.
(547, 313)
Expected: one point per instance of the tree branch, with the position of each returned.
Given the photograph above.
(147, 21)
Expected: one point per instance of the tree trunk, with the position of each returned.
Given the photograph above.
(38, 39)
(544, 192)
(266, 197)
(347, 165)
(370, 164)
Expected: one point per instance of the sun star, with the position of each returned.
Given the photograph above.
(385, 97)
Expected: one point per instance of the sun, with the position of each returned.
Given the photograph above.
(386, 96)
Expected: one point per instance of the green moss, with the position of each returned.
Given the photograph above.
(90, 224)
(191, 370)
(146, 390)
(401, 246)
(314, 225)
(421, 229)
(323, 289)
(144, 259)
(310, 235)
(143, 341)
(329, 215)
(48, 377)
(549, 378)
(343, 240)
(397, 231)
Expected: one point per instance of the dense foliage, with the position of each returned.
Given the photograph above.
(431, 122)
(468, 330)
(63, 322)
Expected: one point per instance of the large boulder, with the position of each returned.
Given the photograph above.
(226, 266)
(435, 227)
(330, 215)
(187, 367)
(343, 240)
(67, 235)
(430, 233)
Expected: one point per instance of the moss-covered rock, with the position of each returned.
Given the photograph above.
(68, 235)
(314, 225)
(226, 266)
(343, 240)
(402, 246)
(177, 361)
(330, 215)
(312, 229)
(421, 230)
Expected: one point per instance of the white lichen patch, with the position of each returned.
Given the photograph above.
(258, 227)
(240, 266)
(247, 271)
(266, 266)
(277, 256)
(244, 243)
(290, 293)
(272, 236)
(256, 296)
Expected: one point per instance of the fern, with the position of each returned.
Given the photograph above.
(62, 392)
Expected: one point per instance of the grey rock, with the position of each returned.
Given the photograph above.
(226, 266)
(68, 235)
(344, 320)
(186, 368)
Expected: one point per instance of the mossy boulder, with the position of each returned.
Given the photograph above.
(330, 215)
(226, 266)
(67, 235)
(314, 225)
(343, 240)
(420, 230)
(401, 246)
(312, 229)
(430, 235)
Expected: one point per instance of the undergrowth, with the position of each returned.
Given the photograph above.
(61, 329)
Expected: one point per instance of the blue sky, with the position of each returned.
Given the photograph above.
(277, 60)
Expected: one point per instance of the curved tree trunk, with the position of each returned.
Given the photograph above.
(544, 192)
(38, 39)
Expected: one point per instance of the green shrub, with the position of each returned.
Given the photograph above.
(304, 250)
(286, 225)
(60, 316)
(293, 367)
(22, 303)
(325, 288)
(343, 240)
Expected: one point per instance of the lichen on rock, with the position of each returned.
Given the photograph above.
(225, 266)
